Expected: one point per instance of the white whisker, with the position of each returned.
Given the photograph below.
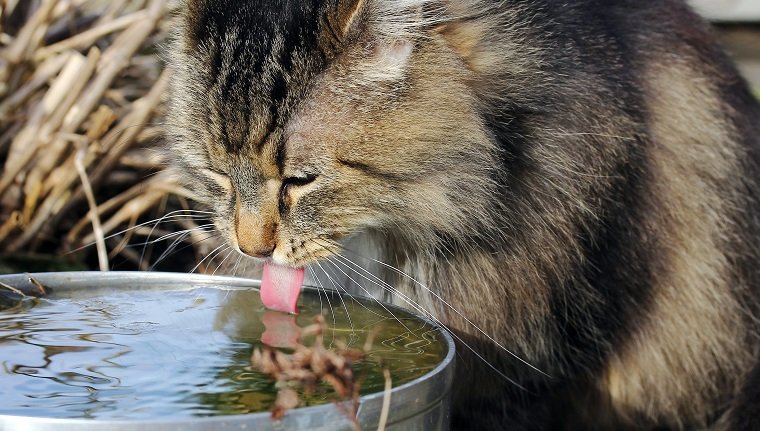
(229, 253)
(160, 220)
(348, 316)
(454, 309)
(184, 233)
(173, 246)
(338, 286)
(332, 310)
(364, 289)
(424, 312)
(235, 268)
(164, 219)
(207, 256)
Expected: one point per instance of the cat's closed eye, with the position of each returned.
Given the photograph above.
(292, 188)
(219, 178)
(298, 181)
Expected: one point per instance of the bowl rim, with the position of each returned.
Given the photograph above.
(424, 392)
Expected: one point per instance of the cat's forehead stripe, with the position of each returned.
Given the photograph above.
(263, 57)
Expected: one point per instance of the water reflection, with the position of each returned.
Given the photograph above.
(148, 354)
(282, 331)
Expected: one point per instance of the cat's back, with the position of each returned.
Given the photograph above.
(670, 132)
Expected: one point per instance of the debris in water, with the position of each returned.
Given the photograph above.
(11, 296)
(308, 366)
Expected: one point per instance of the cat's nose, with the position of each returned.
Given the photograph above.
(260, 253)
(254, 238)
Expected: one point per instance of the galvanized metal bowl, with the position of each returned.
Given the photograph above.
(422, 404)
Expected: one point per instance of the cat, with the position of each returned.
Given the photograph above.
(570, 186)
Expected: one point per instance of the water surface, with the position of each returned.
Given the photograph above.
(148, 354)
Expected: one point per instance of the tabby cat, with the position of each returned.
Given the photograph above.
(570, 186)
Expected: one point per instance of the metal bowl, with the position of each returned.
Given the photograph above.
(423, 404)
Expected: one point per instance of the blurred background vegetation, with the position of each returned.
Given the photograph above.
(82, 96)
(82, 99)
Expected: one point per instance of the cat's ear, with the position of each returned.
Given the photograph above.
(347, 14)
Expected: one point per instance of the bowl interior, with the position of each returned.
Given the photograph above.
(131, 347)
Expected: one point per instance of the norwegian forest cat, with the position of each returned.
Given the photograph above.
(570, 186)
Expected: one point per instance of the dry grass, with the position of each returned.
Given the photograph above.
(81, 100)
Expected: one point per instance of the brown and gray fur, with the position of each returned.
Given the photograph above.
(579, 179)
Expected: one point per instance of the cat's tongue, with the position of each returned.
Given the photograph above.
(281, 287)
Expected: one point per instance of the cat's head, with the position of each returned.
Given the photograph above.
(302, 122)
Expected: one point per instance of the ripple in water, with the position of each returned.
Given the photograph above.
(150, 354)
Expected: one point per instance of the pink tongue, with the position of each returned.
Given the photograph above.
(280, 287)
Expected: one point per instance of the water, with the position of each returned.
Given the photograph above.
(148, 354)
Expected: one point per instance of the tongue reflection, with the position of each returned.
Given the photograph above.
(281, 287)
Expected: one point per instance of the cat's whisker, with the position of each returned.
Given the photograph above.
(364, 289)
(332, 310)
(452, 308)
(168, 251)
(183, 233)
(237, 263)
(245, 265)
(180, 238)
(148, 242)
(334, 250)
(208, 256)
(348, 316)
(211, 261)
(170, 217)
(427, 314)
(159, 221)
(173, 247)
(319, 294)
(338, 286)
(329, 303)
(386, 287)
(229, 253)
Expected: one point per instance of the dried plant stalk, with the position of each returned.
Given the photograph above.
(89, 37)
(42, 75)
(94, 216)
(24, 42)
(74, 111)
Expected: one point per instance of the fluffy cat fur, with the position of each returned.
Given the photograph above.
(577, 179)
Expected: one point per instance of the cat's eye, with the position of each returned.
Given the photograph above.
(222, 180)
(289, 183)
(298, 181)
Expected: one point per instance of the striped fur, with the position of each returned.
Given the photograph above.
(578, 179)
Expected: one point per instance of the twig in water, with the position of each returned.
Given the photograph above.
(38, 285)
(386, 400)
(13, 289)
